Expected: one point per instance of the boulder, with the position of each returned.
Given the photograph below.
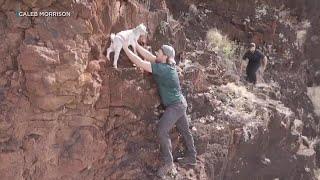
(35, 58)
(38, 3)
(15, 21)
(35, 85)
(69, 72)
(52, 102)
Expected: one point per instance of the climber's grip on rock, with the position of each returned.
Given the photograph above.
(256, 60)
(163, 69)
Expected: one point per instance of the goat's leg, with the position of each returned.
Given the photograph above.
(116, 57)
(134, 48)
(135, 51)
(109, 50)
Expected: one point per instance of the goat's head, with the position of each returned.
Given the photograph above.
(141, 29)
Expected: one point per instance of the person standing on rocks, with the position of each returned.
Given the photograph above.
(256, 60)
(162, 67)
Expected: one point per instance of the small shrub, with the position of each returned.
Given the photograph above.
(223, 47)
(220, 43)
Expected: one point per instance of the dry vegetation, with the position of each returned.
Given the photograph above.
(220, 43)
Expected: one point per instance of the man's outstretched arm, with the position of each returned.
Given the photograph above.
(241, 66)
(145, 53)
(264, 63)
(137, 60)
(244, 57)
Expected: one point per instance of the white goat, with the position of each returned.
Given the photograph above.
(131, 35)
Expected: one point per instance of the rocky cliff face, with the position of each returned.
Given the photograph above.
(65, 113)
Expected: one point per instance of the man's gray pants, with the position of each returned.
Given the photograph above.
(175, 114)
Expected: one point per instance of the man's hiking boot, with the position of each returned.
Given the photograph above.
(264, 160)
(187, 160)
(165, 169)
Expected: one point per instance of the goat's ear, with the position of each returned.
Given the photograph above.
(137, 27)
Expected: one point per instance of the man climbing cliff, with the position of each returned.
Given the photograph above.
(256, 60)
(162, 67)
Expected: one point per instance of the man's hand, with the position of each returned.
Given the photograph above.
(143, 39)
(145, 53)
(136, 59)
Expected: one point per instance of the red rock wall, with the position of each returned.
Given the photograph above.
(61, 113)
(65, 113)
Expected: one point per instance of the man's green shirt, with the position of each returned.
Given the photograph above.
(167, 79)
